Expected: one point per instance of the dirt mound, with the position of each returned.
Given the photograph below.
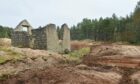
(124, 59)
(114, 55)
(109, 50)
(44, 67)
(63, 75)
(110, 64)
(14, 60)
(76, 45)
(5, 42)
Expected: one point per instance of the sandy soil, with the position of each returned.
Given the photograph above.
(105, 64)
(124, 59)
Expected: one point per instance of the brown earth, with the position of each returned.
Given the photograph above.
(76, 45)
(105, 64)
(44, 67)
(63, 75)
(125, 59)
(114, 55)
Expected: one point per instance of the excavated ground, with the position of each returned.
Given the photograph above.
(64, 75)
(105, 64)
(124, 59)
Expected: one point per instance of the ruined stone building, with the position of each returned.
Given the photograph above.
(42, 38)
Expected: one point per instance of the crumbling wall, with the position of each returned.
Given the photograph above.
(66, 38)
(22, 24)
(52, 38)
(39, 38)
(20, 39)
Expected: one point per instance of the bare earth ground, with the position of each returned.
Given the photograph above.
(124, 59)
(43, 67)
(105, 64)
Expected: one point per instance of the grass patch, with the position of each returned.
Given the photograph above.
(3, 59)
(9, 55)
(75, 57)
(78, 54)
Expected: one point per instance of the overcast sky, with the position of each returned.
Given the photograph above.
(42, 12)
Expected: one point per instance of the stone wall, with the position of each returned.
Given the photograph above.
(41, 38)
(22, 24)
(52, 38)
(20, 39)
(66, 38)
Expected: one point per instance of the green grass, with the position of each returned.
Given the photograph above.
(78, 54)
(75, 57)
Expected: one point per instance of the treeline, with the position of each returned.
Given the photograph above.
(110, 28)
(5, 32)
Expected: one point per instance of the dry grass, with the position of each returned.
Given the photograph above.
(80, 53)
(5, 42)
(9, 54)
(76, 45)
